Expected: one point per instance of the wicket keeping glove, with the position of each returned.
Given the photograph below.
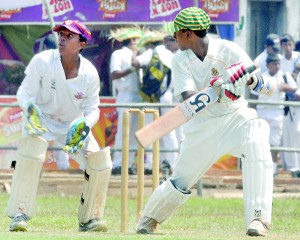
(76, 136)
(33, 123)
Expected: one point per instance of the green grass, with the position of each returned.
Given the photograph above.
(199, 218)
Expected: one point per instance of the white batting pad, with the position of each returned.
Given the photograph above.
(95, 187)
(29, 162)
(257, 168)
(164, 201)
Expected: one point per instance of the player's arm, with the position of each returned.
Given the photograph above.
(122, 73)
(134, 60)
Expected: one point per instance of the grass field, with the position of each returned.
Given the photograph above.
(199, 218)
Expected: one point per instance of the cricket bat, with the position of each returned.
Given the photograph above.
(179, 115)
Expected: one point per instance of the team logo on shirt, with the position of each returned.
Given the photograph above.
(214, 72)
(79, 95)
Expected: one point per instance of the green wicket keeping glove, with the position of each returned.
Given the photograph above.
(33, 123)
(76, 136)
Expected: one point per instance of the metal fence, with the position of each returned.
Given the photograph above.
(162, 105)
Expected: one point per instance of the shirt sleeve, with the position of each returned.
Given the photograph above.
(183, 80)
(145, 58)
(91, 104)
(290, 80)
(115, 62)
(28, 90)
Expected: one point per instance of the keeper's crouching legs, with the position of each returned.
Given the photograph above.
(93, 198)
(30, 158)
(257, 171)
(161, 205)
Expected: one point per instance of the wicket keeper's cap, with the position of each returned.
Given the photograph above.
(150, 37)
(273, 40)
(192, 18)
(75, 27)
(122, 34)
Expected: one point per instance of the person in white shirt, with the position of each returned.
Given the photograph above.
(274, 115)
(126, 82)
(272, 46)
(153, 41)
(228, 126)
(291, 134)
(59, 97)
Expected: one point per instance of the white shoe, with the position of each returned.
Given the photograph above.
(146, 225)
(258, 228)
(19, 223)
(94, 225)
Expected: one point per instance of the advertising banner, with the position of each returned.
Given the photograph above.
(104, 132)
(118, 11)
(11, 128)
(221, 11)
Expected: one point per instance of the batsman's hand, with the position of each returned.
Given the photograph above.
(238, 75)
(265, 86)
(236, 78)
(225, 90)
(33, 123)
(76, 136)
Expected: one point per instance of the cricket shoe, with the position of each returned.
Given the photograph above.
(19, 223)
(146, 225)
(94, 225)
(257, 228)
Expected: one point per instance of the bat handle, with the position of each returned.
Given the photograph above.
(251, 69)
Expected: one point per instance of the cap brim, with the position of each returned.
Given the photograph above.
(171, 27)
(69, 27)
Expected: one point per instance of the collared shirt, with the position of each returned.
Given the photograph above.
(274, 111)
(120, 61)
(192, 74)
(261, 60)
(290, 65)
(60, 100)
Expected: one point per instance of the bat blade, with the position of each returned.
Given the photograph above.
(176, 116)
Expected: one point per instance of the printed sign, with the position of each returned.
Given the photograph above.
(121, 11)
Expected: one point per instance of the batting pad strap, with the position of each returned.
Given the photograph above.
(164, 201)
(29, 162)
(97, 175)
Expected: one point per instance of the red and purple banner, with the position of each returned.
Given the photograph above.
(119, 11)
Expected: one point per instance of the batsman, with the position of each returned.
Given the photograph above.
(59, 97)
(228, 126)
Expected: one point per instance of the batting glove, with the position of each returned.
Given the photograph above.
(33, 123)
(267, 86)
(76, 136)
(227, 90)
(238, 75)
